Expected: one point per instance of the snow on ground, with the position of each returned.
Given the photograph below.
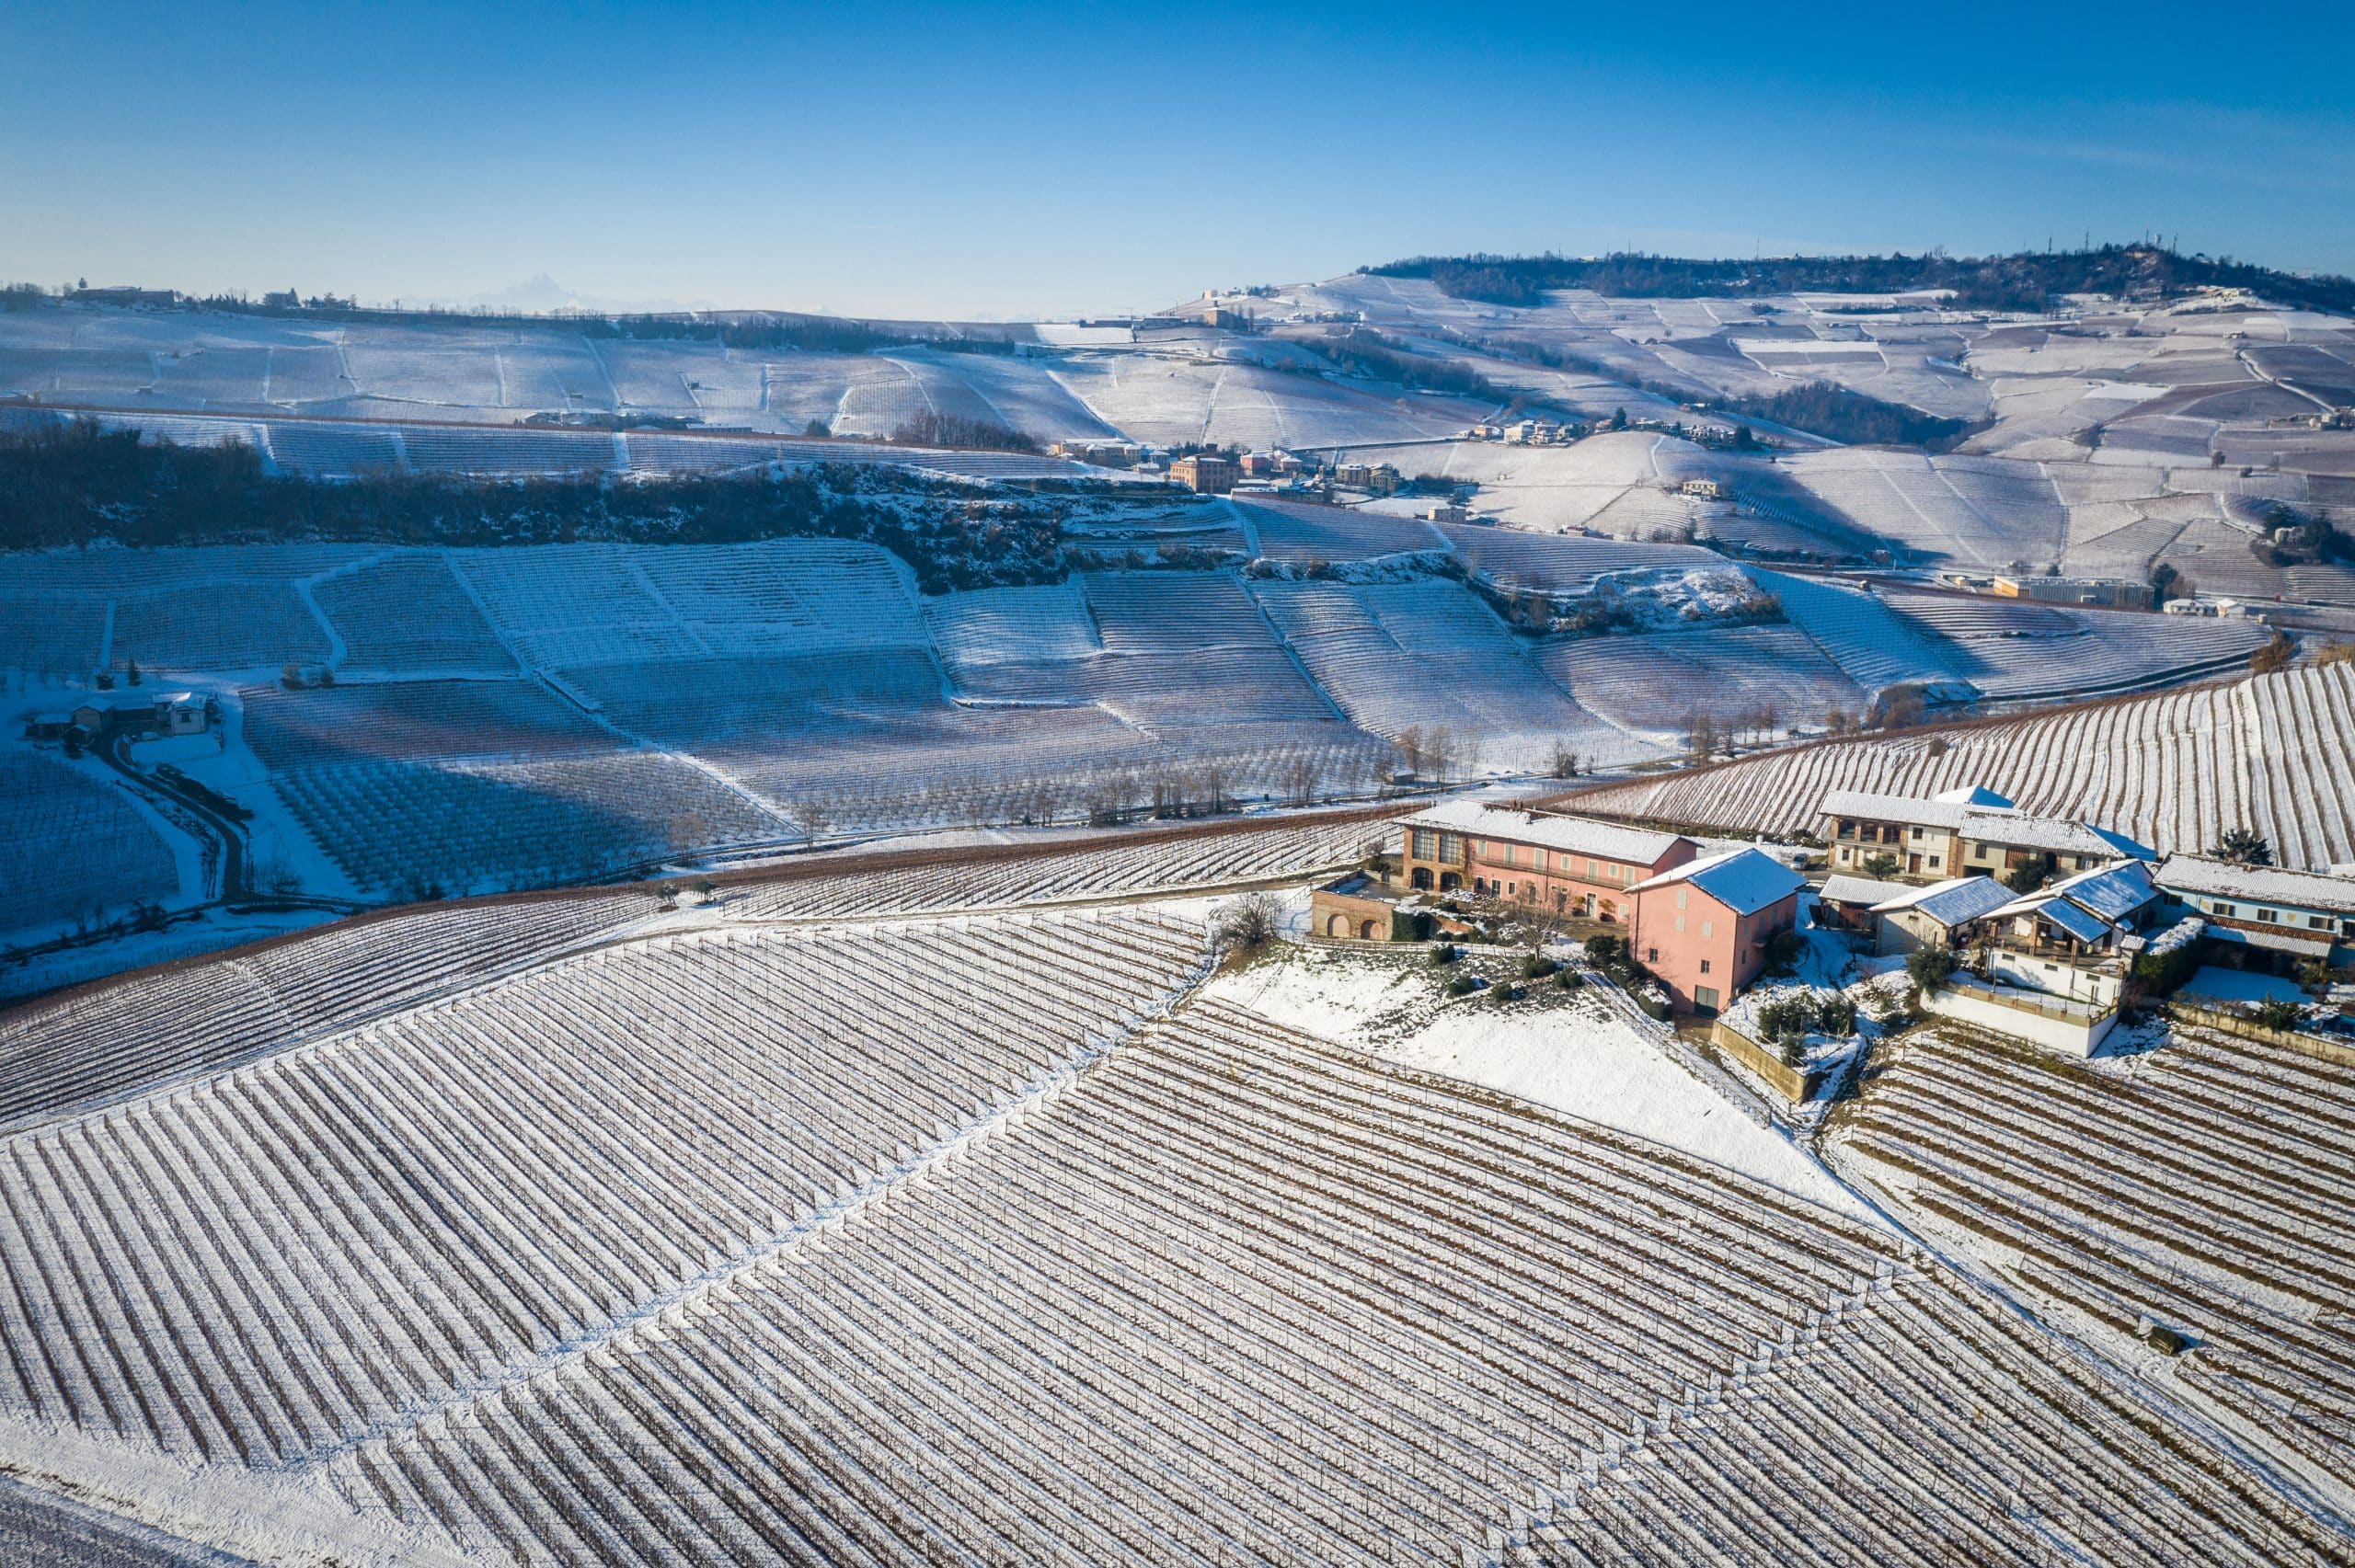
(1568, 1054)
(2239, 985)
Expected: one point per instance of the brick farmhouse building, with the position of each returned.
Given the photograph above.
(1702, 928)
(1565, 865)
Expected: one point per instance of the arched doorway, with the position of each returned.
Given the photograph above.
(1449, 881)
(1365, 931)
(1421, 878)
(1336, 925)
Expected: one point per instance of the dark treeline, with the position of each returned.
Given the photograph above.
(1361, 350)
(934, 429)
(2029, 280)
(736, 329)
(1850, 417)
(80, 485)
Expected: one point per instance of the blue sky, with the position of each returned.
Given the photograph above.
(1030, 160)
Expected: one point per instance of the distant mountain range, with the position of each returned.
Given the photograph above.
(541, 295)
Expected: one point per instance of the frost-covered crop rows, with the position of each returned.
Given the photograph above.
(403, 827)
(407, 613)
(109, 1039)
(1868, 641)
(71, 845)
(2041, 651)
(1725, 673)
(2210, 1190)
(358, 1238)
(413, 720)
(2272, 752)
(1231, 1295)
(1220, 857)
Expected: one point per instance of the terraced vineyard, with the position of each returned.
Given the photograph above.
(969, 1237)
(109, 1039)
(2274, 753)
(275, 1263)
(2209, 1188)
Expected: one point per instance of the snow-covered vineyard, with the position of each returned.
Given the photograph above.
(573, 1232)
(107, 1040)
(505, 718)
(2273, 752)
(2208, 1189)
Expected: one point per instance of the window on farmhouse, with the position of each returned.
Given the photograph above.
(2268, 917)
(1708, 928)
(1705, 965)
(1591, 877)
(1426, 844)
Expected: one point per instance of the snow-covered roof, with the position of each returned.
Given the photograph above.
(1974, 794)
(1976, 813)
(1860, 890)
(2080, 923)
(2053, 835)
(2111, 893)
(1894, 808)
(1951, 902)
(1574, 835)
(2263, 884)
(2273, 941)
(1744, 881)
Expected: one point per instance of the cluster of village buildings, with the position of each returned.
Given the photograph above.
(1215, 473)
(2046, 914)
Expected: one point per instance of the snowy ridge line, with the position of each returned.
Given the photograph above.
(678, 1301)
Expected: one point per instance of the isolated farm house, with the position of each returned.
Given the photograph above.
(1571, 866)
(1960, 833)
(1702, 928)
(166, 713)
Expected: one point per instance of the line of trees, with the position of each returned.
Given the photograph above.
(932, 427)
(2026, 280)
(77, 484)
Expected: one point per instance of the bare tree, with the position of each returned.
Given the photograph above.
(1410, 749)
(1301, 777)
(808, 815)
(1245, 923)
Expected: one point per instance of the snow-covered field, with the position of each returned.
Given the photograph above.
(1570, 1054)
(2271, 752)
(2203, 1186)
(488, 1232)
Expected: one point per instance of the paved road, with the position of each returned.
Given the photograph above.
(229, 835)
